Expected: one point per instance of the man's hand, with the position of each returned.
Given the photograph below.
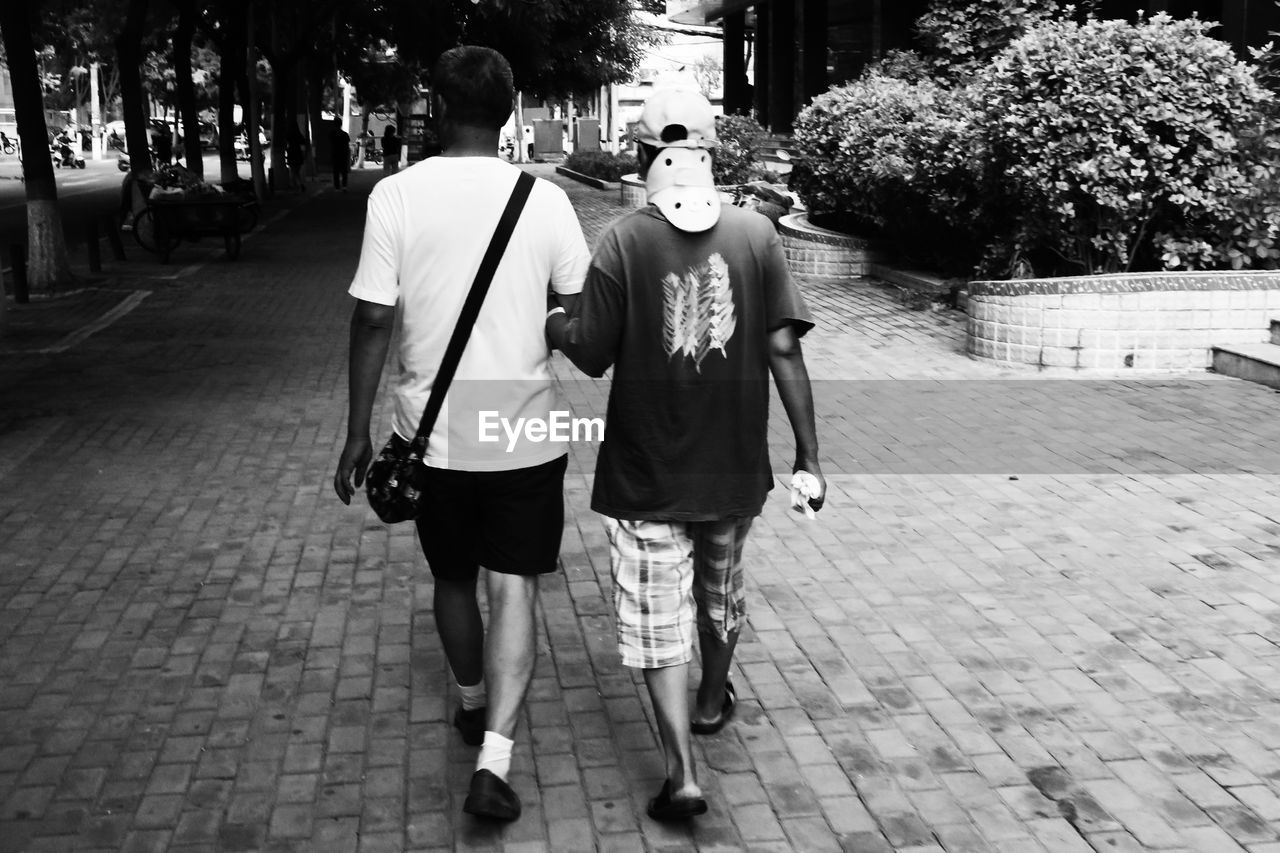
(812, 466)
(352, 464)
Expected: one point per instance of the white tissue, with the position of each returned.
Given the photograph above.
(803, 487)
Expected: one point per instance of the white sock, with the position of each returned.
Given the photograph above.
(473, 697)
(495, 755)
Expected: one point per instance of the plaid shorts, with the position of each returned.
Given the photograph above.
(668, 574)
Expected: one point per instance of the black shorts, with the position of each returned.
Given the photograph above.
(506, 521)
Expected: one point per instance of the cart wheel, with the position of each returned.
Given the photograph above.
(248, 216)
(144, 231)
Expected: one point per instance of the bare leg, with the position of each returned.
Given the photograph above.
(461, 628)
(511, 648)
(668, 688)
(716, 659)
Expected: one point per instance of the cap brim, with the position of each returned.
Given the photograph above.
(701, 142)
(691, 209)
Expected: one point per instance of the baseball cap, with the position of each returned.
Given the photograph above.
(680, 185)
(677, 118)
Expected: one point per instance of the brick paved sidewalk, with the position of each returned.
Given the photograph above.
(1036, 615)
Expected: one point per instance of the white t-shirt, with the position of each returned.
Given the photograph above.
(426, 230)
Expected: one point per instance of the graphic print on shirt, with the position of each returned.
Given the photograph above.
(698, 311)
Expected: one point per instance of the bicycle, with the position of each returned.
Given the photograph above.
(8, 145)
(372, 154)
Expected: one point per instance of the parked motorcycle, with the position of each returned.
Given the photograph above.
(65, 156)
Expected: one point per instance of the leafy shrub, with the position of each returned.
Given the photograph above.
(740, 140)
(603, 165)
(1115, 146)
(903, 65)
(895, 158)
(959, 36)
(1092, 146)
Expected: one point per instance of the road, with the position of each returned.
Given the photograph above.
(82, 195)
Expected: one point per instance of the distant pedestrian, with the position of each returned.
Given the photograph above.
(368, 147)
(485, 505)
(340, 146)
(390, 150)
(164, 149)
(691, 304)
(295, 155)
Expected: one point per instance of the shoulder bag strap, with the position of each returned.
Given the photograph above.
(471, 308)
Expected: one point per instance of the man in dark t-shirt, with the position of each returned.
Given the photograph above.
(390, 150)
(691, 303)
(340, 146)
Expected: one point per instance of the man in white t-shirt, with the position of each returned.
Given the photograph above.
(490, 502)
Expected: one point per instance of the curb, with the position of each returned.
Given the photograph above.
(587, 179)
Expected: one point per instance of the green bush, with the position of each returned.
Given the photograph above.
(601, 164)
(959, 36)
(1080, 147)
(740, 140)
(894, 158)
(1115, 146)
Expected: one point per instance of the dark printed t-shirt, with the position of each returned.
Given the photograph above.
(684, 319)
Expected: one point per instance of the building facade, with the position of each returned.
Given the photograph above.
(779, 54)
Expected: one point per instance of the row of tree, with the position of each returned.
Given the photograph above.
(278, 56)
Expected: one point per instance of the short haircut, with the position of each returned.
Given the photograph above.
(476, 86)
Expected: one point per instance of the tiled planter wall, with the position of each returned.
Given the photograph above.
(1140, 320)
(819, 253)
(632, 191)
(633, 194)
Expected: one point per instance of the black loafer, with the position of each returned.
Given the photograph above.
(726, 713)
(491, 798)
(664, 808)
(471, 725)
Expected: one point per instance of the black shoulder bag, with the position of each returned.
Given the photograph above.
(394, 482)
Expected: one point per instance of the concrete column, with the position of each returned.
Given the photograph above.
(735, 63)
(782, 64)
(761, 57)
(813, 49)
(1235, 25)
(346, 103)
(95, 111)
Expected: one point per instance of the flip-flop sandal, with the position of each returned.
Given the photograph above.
(664, 808)
(726, 713)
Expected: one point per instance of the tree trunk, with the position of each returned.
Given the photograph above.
(364, 136)
(321, 138)
(312, 106)
(282, 99)
(252, 117)
(186, 90)
(133, 100)
(521, 154)
(48, 266)
(232, 66)
(282, 82)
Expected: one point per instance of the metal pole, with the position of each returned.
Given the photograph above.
(346, 104)
(18, 266)
(95, 111)
(91, 242)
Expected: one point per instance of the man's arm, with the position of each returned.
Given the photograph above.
(589, 328)
(786, 363)
(371, 326)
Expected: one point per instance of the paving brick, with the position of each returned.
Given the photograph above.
(968, 661)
